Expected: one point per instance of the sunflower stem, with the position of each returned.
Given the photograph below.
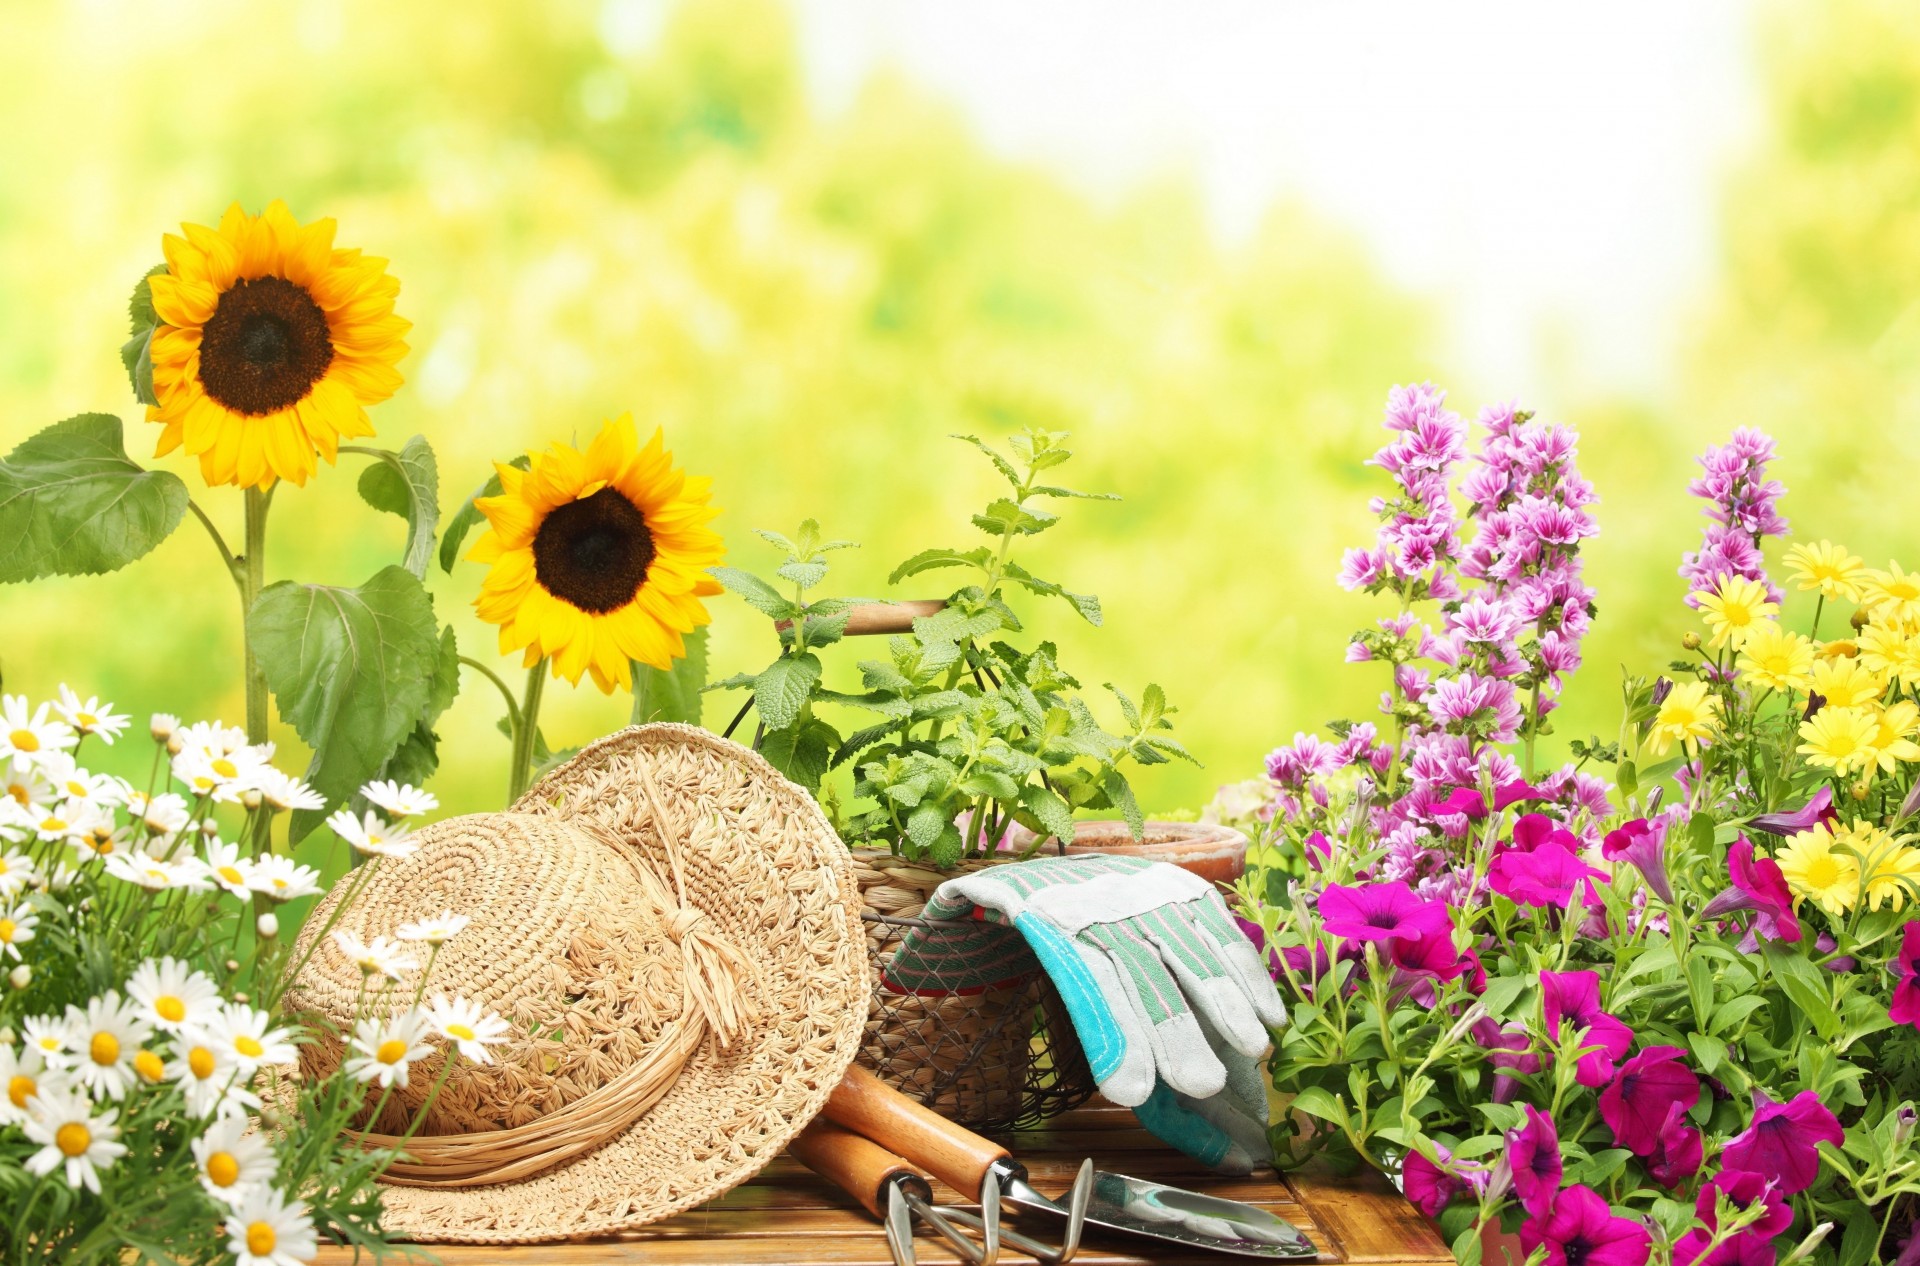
(526, 732)
(252, 576)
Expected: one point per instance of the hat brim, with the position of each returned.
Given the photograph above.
(761, 861)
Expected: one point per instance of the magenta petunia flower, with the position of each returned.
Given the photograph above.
(1550, 875)
(1533, 1153)
(1634, 1105)
(1742, 1250)
(1581, 1230)
(1535, 829)
(1380, 912)
(1644, 844)
(1574, 996)
(1431, 954)
(1430, 1187)
(1679, 1151)
(1510, 1051)
(1779, 1144)
(1906, 992)
(1759, 886)
(1470, 802)
(1805, 818)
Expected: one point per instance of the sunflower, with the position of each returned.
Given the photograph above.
(270, 345)
(598, 557)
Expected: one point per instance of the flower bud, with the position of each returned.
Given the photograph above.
(1859, 791)
(1860, 620)
(241, 996)
(7, 1036)
(20, 977)
(232, 965)
(267, 925)
(1904, 1118)
(1806, 1247)
(175, 746)
(250, 798)
(1690, 640)
(209, 828)
(162, 726)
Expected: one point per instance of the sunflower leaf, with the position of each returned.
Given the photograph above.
(418, 756)
(406, 483)
(351, 669)
(468, 515)
(73, 504)
(672, 694)
(137, 352)
(782, 689)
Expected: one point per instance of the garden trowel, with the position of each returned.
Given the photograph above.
(965, 1161)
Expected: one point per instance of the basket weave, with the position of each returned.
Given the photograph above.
(661, 891)
(992, 1059)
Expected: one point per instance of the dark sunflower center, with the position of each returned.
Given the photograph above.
(594, 552)
(264, 347)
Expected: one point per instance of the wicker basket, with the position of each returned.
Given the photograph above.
(994, 1059)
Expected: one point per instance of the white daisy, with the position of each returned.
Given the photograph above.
(71, 819)
(164, 814)
(400, 800)
(74, 783)
(24, 1074)
(60, 878)
(467, 1026)
(16, 929)
(282, 879)
(51, 1038)
(30, 736)
(437, 930)
(162, 725)
(25, 787)
(188, 874)
(284, 792)
(222, 776)
(230, 1161)
(172, 995)
(378, 957)
(213, 1084)
(104, 1039)
(240, 1034)
(17, 871)
(91, 717)
(209, 738)
(62, 1122)
(267, 1229)
(371, 836)
(386, 1049)
(230, 869)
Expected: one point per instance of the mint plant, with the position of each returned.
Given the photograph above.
(969, 735)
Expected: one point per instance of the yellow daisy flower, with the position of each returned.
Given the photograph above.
(1828, 568)
(1815, 872)
(1893, 742)
(1840, 739)
(1733, 609)
(1686, 716)
(598, 557)
(1839, 648)
(271, 345)
(1776, 659)
(1882, 649)
(1893, 594)
(1847, 683)
(1889, 865)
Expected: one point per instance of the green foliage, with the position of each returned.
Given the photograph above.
(353, 671)
(672, 694)
(72, 503)
(468, 516)
(964, 727)
(407, 483)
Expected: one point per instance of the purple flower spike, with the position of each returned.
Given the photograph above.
(1780, 1143)
(1574, 996)
(1533, 1152)
(1380, 912)
(1759, 886)
(1635, 1106)
(1815, 811)
(1548, 876)
(1906, 993)
(1645, 845)
(1583, 1231)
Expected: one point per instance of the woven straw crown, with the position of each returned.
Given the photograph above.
(671, 930)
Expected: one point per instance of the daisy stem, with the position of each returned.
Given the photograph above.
(524, 734)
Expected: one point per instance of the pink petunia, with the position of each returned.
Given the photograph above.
(1906, 992)
(1635, 1104)
(1533, 1153)
(1430, 1187)
(1380, 912)
(1550, 875)
(1779, 1144)
(1582, 1230)
(1680, 1150)
(1574, 996)
(1644, 845)
(1759, 886)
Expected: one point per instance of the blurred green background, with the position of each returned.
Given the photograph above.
(810, 301)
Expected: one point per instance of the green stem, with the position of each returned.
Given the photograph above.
(513, 705)
(251, 575)
(524, 734)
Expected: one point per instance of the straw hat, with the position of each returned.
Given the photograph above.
(672, 930)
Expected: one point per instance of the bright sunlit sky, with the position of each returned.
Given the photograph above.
(1547, 173)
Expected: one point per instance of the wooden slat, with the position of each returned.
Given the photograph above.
(789, 1216)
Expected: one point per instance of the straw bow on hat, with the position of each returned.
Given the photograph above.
(672, 931)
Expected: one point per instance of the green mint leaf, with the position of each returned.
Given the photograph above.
(803, 753)
(72, 503)
(931, 559)
(1000, 463)
(757, 593)
(783, 688)
(1007, 516)
(806, 575)
(1085, 603)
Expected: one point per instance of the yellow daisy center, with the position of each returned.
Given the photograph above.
(460, 1031)
(20, 1089)
(148, 1065)
(19, 792)
(76, 789)
(222, 1169)
(261, 1239)
(249, 1046)
(51, 825)
(85, 720)
(391, 1051)
(104, 1049)
(170, 1008)
(225, 768)
(7, 929)
(200, 1062)
(73, 1139)
(24, 741)
(233, 876)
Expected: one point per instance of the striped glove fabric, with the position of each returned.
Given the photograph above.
(1170, 1001)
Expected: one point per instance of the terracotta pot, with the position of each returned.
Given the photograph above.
(1218, 853)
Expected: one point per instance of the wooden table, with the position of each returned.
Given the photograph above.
(791, 1217)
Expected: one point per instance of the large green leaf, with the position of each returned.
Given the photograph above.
(782, 689)
(353, 671)
(418, 756)
(672, 694)
(468, 516)
(73, 504)
(407, 483)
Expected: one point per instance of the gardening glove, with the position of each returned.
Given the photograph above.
(1170, 1001)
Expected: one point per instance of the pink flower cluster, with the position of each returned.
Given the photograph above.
(1744, 506)
(1419, 537)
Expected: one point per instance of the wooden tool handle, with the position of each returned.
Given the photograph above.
(956, 1156)
(868, 618)
(860, 1167)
